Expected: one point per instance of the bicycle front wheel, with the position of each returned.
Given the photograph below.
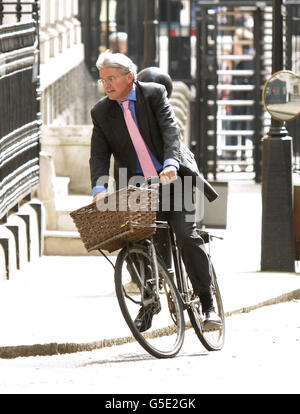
(212, 340)
(161, 307)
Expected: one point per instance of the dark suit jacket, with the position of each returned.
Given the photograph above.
(158, 127)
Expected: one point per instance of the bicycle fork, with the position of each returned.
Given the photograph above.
(155, 269)
(180, 279)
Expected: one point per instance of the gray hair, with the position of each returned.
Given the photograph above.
(116, 60)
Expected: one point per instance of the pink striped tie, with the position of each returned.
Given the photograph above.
(139, 144)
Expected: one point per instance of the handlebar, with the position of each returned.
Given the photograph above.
(209, 192)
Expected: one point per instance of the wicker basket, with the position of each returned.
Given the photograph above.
(128, 214)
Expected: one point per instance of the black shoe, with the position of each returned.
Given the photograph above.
(143, 321)
(212, 321)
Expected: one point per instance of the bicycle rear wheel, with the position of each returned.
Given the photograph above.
(212, 340)
(136, 287)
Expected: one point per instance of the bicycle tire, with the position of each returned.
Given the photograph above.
(212, 340)
(169, 322)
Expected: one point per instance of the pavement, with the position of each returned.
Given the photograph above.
(58, 305)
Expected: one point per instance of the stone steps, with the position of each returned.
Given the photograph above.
(21, 238)
(65, 205)
(64, 240)
(65, 243)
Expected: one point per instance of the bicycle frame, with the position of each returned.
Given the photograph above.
(162, 291)
(181, 282)
(168, 294)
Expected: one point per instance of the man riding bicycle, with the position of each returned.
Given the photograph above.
(136, 124)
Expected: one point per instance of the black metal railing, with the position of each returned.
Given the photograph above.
(232, 62)
(128, 16)
(19, 9)
(19, 109)
(134, 18)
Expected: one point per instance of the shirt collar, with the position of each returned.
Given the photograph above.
(131, 96)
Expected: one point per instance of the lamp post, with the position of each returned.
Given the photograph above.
(277, 248)
(150, 34)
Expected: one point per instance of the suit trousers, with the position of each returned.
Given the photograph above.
(180, 215)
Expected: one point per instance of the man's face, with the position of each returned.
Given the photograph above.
(116, 85)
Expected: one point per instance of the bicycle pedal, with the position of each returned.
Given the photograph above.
(132, 288)
(157, 308)
(211, 328)
(171, 303)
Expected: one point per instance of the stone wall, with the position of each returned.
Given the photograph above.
(69, 147)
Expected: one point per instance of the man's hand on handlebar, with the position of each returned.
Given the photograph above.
(168, 175)
(99, 196)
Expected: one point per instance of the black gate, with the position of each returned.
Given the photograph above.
(233, 62)
(223, 51)
(230, 117)
(19, 108)
(108, 24)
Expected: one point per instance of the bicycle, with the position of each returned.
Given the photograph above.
(142, 280)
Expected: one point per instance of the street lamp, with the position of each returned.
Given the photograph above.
(278, 244)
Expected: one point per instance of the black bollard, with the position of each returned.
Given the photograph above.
(278, 245)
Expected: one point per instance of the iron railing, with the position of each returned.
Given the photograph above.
(19, 107)
(19, 9)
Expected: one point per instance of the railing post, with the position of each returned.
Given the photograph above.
(19, 10)
(151, 34)
(1, 12)
(257, 125)
(19, 123)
